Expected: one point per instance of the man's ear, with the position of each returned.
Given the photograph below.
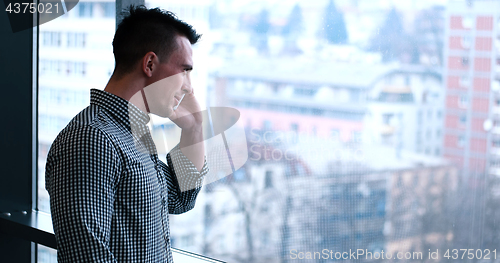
(148, 63)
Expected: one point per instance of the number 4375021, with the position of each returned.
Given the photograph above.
(470, 254)
(47, 8)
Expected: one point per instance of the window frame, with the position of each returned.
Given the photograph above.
(18, 187)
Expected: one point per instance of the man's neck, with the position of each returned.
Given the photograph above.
(129, 88)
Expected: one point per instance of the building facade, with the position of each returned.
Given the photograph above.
(471, 77)
(405, 110)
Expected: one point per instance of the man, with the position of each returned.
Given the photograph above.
(110, 195)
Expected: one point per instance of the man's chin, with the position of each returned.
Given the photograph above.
(164, 114)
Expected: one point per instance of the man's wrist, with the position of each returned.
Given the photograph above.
(197, 128)
(190, 136)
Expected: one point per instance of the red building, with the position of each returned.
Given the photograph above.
(471, 77)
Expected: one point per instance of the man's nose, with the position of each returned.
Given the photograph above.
(186, 86)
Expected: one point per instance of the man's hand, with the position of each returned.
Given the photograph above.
(188, 113)
(189, 118)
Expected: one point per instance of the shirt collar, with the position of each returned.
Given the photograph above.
(129, 115)
(120, 108)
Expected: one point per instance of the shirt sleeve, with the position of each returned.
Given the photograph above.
(81, 175)
(184, 181)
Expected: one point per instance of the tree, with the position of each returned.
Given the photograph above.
(391, 38)
(292, 30)
(429, 34)
(294, 25)
(260, 30)
(334, 26)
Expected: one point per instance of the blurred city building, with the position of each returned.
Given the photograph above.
(472, 81)
(405, 110)
(318, 194)
(400, 106)
(319, 98)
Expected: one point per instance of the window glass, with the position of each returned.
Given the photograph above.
(46, 254)
(353, 140)
(336, 100)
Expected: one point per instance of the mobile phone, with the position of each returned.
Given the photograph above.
(175, 107)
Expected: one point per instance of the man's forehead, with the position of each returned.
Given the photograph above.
(183, 53)
(183, 43)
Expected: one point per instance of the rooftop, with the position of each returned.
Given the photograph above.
(306, 72)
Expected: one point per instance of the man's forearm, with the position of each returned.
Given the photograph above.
(192, 146)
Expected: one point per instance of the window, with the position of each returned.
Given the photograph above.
(461, 141)
(85, 9)
(250, 39)
(463, 101)
(76, 39)
(466, 41)
(468, 21)
(354, 96)
(304, 92)
(109, 10)
(463, 120)
(51, 39)
(465, 81)
(495, 85)
(465, 61)
(356, 137)
(268, 183)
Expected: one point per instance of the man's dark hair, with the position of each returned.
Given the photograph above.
(143, 30)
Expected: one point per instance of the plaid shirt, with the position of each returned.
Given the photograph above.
(110, 195)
